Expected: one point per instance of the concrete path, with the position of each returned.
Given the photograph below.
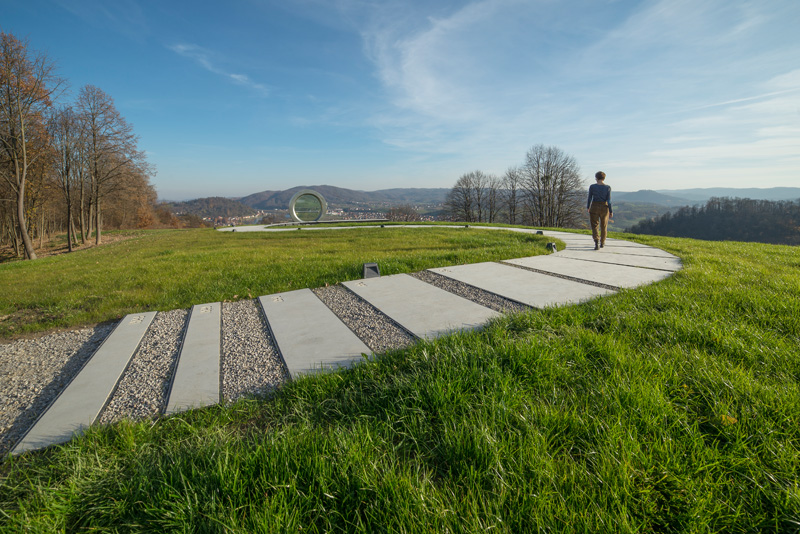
(196, 380)
(592, 271)
(82, 400)
(534, 289)
(309, 336)
(424, 310)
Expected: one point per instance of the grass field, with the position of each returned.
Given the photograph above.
(670, 408)
(165, 270)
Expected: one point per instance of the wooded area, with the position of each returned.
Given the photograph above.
(546, 190)
(66, 167)
(730, 219)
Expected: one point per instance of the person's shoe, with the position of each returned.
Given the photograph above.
(602, 245)
(596, 245)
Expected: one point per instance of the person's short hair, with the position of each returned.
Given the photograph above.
(600, 175)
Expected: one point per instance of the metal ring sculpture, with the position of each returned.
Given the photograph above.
(311, 213)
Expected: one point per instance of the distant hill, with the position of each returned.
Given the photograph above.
(756, 193)
(627, 214)
(648, 196)
(211, 207)
(736, 219)
(341, 197)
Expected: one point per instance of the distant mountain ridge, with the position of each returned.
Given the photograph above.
(350, 198)
(648, 196)
(756, 193)
(341, 197)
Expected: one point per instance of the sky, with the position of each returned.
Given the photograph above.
(237, 97)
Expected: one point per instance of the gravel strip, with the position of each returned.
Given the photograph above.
(142, 391)
(250, 361)
(565, 277)
(480, 296)
(375, 329)
(33, 372)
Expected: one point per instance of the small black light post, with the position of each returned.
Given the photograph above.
(370, 270)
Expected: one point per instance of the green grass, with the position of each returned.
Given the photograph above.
(164, 270)
(670, 408)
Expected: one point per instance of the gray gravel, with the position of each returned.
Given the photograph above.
(34, 371)
(375, 329)
(142, 391)
(250, 361)
(480, 296)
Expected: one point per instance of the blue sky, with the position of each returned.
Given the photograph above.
(232, 98)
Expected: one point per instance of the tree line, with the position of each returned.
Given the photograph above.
(65, 166)
(733, 219)
(545, 190)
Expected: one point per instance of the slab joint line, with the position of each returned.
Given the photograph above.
(626, 264)
(528, 306)
(564, 276)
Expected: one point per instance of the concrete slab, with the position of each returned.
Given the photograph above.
(310, 337)
(637, 251)
(80, 403)
(423, 309)
(197, 378)
(666, 263)
(621, 247)
(533, 289)
(603, 273)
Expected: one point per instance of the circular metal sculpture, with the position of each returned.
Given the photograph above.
(307, 206)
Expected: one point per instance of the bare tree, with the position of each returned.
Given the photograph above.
(27, 83)
(552, 187)
(492, 197)
(478, 183)
(460, 202)
(476, 197)
(64, 128)
(111, 147)
(512, 184)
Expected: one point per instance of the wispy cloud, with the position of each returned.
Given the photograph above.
(203, 57)
(659, 82)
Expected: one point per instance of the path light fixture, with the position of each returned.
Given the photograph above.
(370, 270)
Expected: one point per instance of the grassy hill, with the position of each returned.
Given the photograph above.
(669, 408)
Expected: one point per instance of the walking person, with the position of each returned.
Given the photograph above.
(599, 207)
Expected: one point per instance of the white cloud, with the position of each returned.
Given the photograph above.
(203, 58)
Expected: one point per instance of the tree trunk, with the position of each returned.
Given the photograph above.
(23, 229)
(97, 222)
(70, 226)
(81, 215)
(15, 236)
(90, 221)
